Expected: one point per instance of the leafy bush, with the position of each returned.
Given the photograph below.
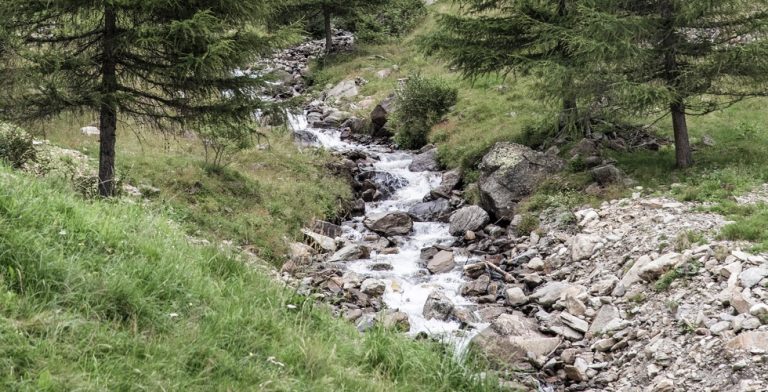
(421, 103)
(16, 146)
(393, 19)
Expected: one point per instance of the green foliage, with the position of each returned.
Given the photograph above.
(528, 224)
(108, 295)
(386, 22)
(421, 103)
(750, 224)
(222, 141)
(16, 145)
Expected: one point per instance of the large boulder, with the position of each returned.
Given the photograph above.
(451, 180)
(511, 172)
(426, 161)
(471, 218)
(512, 339)
(431, 211)
(389, 223)
(607, 175)
(380, 117)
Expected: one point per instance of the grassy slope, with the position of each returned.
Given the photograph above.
(109, 296)
(492, 109)
(259, 199)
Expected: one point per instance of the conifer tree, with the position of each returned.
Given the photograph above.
(688, 57)
(533, 37)
(158, 60)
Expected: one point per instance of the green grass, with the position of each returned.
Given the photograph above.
(260, 199)
(108, 295)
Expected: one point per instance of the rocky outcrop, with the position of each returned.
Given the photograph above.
(389, 223)
(514, 341)
(511, 172)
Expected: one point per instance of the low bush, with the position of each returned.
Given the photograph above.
(16, 145)
(421, 103)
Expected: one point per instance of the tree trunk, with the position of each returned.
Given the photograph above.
(328, 30)
(683, 155)
(108, 107)
(570, 113)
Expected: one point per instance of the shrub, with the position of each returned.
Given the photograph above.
(422, 102)
(16, 146)
(527, 225)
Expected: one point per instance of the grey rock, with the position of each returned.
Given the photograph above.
(389, 223)
(751, 277)
(441, 262)
(607, 175)
(380, 117)
(605, 315)
(431, 211)
(320, 241)
(574, 322)
(748, 341)
(344, 89)
(515, 297)
(511, 172)
(373, 287)
(583, 246)
(305, 138)
(554, 291)
(471, 218)
(476, 287)
(653, 270)
(514, 349)
(426, 161)
(90, 131)
(438, 306)
(351, 252)
(392, 319)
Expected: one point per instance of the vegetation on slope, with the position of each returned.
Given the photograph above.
(110, 296)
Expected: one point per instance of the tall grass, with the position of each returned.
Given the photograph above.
(110, 296)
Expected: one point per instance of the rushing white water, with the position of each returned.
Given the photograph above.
(408, 283)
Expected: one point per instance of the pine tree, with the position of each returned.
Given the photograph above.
(531, 37)
(689, 57)
(157, 60)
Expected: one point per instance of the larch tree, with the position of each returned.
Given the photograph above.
(163, 61)
(526, 37)
(686, 57)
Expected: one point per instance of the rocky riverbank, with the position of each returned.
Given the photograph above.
(632, 295)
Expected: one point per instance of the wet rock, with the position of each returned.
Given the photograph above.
(607, 175)
(432, 211)
(472, 218)
(351, 252)
(393, 319)
(438, 306)
(327, 229)
(476, 287)
(752, 276)
(354, 124)
(389, 223)
(373, 287)
(426, 161)
(305, 138)
(451, 179)
(382, 267)
(442, 262)
(511, 172)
